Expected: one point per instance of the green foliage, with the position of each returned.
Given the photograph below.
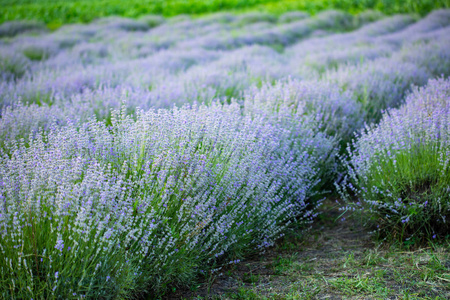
(35, 53)
(355, 6)
(57, 12)
(418, 192)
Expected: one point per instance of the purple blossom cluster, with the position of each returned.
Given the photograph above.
(130, 146)
(399, 169)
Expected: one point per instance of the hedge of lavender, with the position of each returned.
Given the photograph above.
(148, 200)
(130, 146)
(399, 169)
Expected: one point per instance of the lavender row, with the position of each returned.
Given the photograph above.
(399, 168)
(149, 200)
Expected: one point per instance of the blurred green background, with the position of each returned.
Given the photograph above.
(58, 12)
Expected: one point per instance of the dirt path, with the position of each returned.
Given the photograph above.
(336, 260)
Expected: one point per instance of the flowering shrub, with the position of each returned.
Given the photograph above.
(125, 204)
(340, 114)
(399, 169)
(289, 103)
(379, 84)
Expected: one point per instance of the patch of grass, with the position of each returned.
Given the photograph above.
(335, 262)
(250, 278)
(377, 274)
(282, 265)
(360, 285)
(244, 294)
(35, 53)
(57, 12)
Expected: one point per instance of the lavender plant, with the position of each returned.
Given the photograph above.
(379, 84)
(398, 170)
(340, 113)
(288, 104)
(126, 204)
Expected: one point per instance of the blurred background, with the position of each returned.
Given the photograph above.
(55, 13)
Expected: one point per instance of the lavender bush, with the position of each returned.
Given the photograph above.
(379, 84)
(126, 203)
(340, 114)
(398, 170)
(289, 103)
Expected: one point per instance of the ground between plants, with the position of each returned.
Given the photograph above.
(337, 260)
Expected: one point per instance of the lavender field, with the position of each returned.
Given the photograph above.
(137, 155)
